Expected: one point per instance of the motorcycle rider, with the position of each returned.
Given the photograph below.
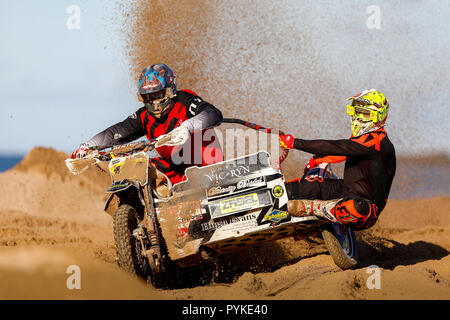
(166, 111)
(358, 199)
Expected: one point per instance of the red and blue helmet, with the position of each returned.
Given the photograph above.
(156, 88)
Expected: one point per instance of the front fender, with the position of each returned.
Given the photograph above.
(120, 193)
(112, 204)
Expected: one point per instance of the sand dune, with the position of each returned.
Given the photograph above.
(50, 220)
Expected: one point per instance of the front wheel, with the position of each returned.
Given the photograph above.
(341, 243)
(128, 247)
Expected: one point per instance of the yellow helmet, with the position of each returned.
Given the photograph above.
(368, 110)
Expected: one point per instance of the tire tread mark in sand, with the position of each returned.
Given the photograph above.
(305, 275)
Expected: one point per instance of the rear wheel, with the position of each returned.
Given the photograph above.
(341, 243)
(128, 247)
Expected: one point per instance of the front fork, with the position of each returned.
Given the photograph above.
(153, 254)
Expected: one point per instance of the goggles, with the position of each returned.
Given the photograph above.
(362, 111)
(157, 103)
(154, 97)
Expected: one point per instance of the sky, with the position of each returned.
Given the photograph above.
(59, 86)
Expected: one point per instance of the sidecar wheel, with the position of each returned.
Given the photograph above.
(341, 243)
(128, 248)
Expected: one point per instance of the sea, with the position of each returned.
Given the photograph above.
(9, 161)
(411, 181)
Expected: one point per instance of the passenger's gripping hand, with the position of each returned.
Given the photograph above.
(176, 137)
(81, 152)
(286, 141)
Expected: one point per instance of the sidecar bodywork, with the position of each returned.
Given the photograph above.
(228, 206)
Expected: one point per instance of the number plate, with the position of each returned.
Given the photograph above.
(241, 203)
(133, 167)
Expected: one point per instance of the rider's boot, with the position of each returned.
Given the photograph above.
(319, 208)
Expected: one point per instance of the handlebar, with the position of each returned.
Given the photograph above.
(98, 153)
(121, 150)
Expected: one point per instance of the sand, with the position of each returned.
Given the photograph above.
(50, 220)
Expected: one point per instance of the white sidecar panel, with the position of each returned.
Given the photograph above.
(236, 200)
(226, 177)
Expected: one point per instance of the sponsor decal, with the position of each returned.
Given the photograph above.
(249, 201)
(226, 221)
(115, 161)
(115, 169)
(248, 183)
(236, 172)
(276, 216)
(245, 202)
(117, 187)
(219, 190)
(243, 184)
(277, 191)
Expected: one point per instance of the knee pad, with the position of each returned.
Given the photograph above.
(358, 213)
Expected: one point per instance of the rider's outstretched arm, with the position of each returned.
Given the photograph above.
(119, 133)
(365, 145)
(343, 147)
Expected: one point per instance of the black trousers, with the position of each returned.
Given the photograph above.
(318, 188)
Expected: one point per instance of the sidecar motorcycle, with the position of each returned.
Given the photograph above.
(218, 209)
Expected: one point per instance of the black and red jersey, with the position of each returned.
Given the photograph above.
(185, 105)
(370, 163)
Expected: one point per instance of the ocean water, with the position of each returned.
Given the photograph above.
(7, 162)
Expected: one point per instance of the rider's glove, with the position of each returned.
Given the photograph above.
(176, 137)
(286, 141)
(310, 165)
(80, 152)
